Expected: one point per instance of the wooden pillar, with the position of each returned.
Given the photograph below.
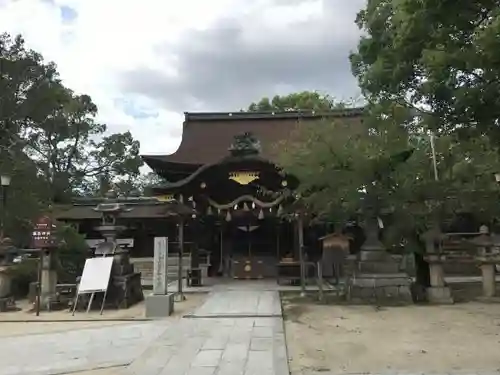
(195, 248)
(180, 271)
(278, 230)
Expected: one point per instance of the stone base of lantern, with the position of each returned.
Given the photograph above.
(125, 291)
(7, 304)
(439, 295)
(392, 288)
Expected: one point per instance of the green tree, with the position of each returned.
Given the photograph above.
(340, 166)
(305, 100)
(57, 129)
(438, 56)
(344, 170)
(50, 141)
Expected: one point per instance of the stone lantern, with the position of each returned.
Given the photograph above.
(6, 252)
(125, 287)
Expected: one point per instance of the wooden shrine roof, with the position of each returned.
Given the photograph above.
(207, 136)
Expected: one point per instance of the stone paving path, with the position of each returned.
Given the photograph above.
(82, 349)
(232, 333)
(235, 332)
(212, 346)
(234, 303)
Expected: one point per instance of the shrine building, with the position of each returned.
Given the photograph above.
(223, 188)
(225, 169)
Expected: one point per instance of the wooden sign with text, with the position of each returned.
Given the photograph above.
(42, 233)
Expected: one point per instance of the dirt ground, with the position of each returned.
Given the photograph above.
(357, 339)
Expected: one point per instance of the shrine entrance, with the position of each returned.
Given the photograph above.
(253, 249)
(240, 203)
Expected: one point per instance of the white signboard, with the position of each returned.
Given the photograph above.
(96, 273)
(160, 266)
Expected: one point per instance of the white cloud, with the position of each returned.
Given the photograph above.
(105, 39)
(110, 37)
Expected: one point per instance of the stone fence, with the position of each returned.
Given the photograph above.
(481, 250)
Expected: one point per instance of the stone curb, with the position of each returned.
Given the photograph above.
(81, 368)
(231, 316)
(77, 320)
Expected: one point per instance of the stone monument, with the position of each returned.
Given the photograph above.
(160, 303)
(378, 278)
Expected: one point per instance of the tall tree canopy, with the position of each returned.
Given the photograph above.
(50, 141)
(305, 100)
(438, 56)
(343, 170)
(56, 129)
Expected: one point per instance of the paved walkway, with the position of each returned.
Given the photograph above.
(232, 333)
(77, 350)
(235, 332)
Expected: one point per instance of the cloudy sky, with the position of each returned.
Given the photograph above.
(146, 62)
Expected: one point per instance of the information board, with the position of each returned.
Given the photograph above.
(95, 276)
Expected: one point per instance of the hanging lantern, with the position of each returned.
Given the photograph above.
(270, 209)
(218, 211)
(235, 206)
(209, 211)
(253, 205)
(261, 215)
(280, 210)
(228, 216)
(245, 207)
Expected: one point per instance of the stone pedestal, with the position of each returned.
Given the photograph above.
(439, 295)
(438, 292)
(6, 299)
(378, 278)
(48, 291)
(48, 295)
(125, 288)
(381, 288)
(5, 282)
(159, 306)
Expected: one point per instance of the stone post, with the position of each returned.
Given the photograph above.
(160, 303)
(489, 282)
(48, 278)
(486, 260)
(438, 292)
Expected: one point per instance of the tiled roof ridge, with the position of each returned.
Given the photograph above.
(218, 116)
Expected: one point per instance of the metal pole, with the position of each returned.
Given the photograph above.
(39, 284)
(300, 228)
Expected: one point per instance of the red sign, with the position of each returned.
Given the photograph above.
(42, 233)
